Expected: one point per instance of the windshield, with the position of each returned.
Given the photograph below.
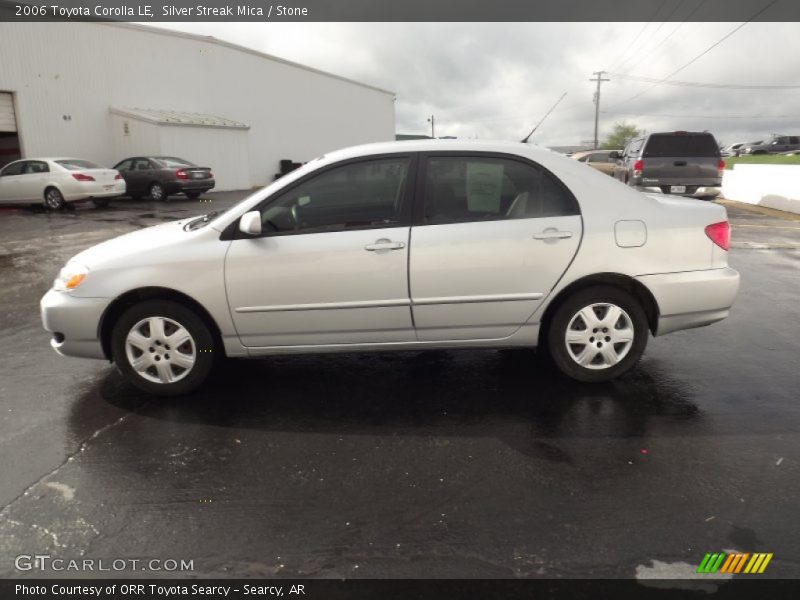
(76, 164)
(171, 161)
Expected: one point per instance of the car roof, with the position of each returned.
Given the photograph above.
(397, 147)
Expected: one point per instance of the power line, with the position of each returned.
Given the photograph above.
(669, 35)
(684, 116)
(699, 56)
(638, 35)
(698, 84)
(653, 35)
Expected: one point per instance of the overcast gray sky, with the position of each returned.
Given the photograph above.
(496, 80)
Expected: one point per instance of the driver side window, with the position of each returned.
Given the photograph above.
(363, 195)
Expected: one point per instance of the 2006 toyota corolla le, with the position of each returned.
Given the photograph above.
(398, 246)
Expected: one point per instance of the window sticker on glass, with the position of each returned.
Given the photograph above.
(303, 200)
(484, 187)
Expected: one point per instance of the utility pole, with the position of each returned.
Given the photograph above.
(432, 121)
(599, 79)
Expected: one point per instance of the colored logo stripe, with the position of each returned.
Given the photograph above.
(734, 563)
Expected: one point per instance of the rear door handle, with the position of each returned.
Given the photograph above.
(552, 234)
(384, 244)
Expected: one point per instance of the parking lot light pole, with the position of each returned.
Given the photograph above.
(599, 79)
(432, 121)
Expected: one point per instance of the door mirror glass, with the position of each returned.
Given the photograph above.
(250, 223)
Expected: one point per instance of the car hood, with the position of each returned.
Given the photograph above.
(133, 245)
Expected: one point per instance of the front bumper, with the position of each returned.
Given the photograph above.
(692, 298)
(74, 323)
(701, 191)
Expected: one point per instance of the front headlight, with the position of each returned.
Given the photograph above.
(70, 277)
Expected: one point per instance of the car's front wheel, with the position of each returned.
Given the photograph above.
(163, 347)
(598, 334)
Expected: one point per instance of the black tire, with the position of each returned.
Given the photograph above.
(193, 195)
(101, 202)
(201, 342)
(562, 353)
(53, 199)
(158, 192)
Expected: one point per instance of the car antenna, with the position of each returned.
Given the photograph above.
(527, 137)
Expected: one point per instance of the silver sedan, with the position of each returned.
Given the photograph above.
(397, 246)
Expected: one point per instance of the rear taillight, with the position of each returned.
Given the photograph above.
(638, 167)
(118, 176)
(720, 167)
(181, 174)
(720, 234)
(210, 175)
(82, 177)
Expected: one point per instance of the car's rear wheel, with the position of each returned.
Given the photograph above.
(157, 191)
(53, 199)
(163, 347)
(598, 334)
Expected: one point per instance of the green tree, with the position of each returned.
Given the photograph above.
(622, 134)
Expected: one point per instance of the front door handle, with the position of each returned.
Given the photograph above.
(552, 234)
(384, 244)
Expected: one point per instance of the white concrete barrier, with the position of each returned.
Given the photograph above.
(774, 186)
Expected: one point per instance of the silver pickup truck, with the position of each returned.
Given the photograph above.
(683, 163)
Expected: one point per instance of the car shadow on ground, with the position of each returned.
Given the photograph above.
(513, 396)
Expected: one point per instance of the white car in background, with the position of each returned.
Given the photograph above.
(403, 246)
(56, 181)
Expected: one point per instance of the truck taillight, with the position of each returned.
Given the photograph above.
(720, 167)
(720, 234)
(181, 174)
(638, 167)
(82, 177)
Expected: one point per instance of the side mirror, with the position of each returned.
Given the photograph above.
(250, 223)
(614, 155)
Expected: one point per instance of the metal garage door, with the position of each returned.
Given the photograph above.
(7, 120)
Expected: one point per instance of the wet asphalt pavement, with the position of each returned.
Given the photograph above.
(423, 464)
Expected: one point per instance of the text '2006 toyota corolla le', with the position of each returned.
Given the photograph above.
(395, 246)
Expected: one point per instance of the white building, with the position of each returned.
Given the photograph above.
(105, 91)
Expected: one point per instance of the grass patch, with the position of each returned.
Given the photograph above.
(761, 159)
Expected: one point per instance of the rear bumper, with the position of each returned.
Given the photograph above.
(95, 190)
(190, 185)
(693, 298)
(74, 323)
(702, 191)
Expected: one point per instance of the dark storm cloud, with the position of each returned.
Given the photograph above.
(497, 80)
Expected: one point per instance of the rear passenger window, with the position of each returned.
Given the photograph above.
(680, 145)
(462, 190)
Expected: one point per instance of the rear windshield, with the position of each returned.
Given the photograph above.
(75, 164)
(171, 161)
(670, 144)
